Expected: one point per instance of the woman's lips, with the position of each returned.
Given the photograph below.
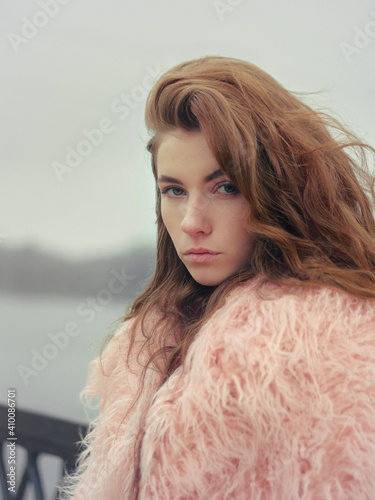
(201, 257)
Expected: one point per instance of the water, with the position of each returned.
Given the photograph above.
(46, 346)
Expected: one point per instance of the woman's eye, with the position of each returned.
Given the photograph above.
(172, 191)
(229, 188)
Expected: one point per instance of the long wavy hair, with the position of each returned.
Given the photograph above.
(305, 177)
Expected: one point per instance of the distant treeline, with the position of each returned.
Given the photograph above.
(31, 271)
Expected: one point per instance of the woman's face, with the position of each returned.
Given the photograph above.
(201, 209)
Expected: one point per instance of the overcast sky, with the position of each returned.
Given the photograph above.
(79, 65)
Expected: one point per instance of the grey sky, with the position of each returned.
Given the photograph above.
(91, 64)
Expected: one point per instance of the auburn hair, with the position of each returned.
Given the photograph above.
(305, 177)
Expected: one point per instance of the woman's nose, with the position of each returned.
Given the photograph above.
(196, 216)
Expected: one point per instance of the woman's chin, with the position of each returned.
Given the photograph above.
(207, 279)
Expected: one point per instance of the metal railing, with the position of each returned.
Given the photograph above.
(38, 434)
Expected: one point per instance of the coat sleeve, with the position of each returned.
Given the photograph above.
(275, 401)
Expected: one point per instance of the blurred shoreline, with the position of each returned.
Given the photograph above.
(29, 270)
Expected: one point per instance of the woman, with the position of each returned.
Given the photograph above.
(246, 369)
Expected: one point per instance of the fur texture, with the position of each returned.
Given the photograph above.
(276, 400)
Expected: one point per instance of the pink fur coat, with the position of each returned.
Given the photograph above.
(276, 400)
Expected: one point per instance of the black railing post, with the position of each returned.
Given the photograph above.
(39, 434)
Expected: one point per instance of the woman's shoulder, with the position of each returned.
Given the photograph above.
(259, 317)
(265, 298)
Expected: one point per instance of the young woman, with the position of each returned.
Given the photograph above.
(246, 369)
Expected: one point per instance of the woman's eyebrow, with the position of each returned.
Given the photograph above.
(208, 178)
